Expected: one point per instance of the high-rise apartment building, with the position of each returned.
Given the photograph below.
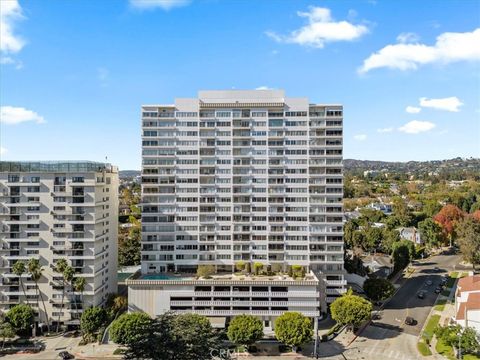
(58, 210)
(241, 177)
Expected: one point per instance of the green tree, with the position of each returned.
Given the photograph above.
(245, 330)
(431, 207)
(350, 227)
(351, 310)
(115, 304)
(60, 267)
(156, 341)
(6, 330)
(35, 271)
(240, 265)
(69, 278)
(129, 248)
(196, 336)
(257, 268)
(402, 253)
(19, 269)
(129, 328)
(205, 271)
(378, 289)
(92, 321)
(389, 238)
(373, 236)
(430, 232)
(293, 329)
(79, 286)
(453, 335)
(468, 240)
(21, 318)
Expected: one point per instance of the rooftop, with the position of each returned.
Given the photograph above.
(236, 278)
(472, 303)
(469, 283)
(56, 166)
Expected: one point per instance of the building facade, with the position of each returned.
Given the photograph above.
(58, 210)
(243, 176)
(467, 302)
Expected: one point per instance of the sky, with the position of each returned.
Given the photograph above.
(73, 74)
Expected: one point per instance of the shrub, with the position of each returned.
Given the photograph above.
(293, 329)
(205, 271)
(240, 265)
(245, 330)
(257, 268)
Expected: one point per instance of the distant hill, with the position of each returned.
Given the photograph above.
(123, 174)
(470, 165)
(450, 166)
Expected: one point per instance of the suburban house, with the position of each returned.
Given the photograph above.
(385, 208)
(467, 302)
(379, 265)
(410, 233)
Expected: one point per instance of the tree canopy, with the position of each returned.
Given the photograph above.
(468, 240)
(293, 329)
(245, 329)
(21, 318)
(378, 289)
(351, 309)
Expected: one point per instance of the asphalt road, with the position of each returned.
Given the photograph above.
(389, 337)
(406, 302)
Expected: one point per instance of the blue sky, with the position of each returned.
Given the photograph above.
(74, 73)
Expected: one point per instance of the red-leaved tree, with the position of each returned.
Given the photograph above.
(476, 215)
(447, 217)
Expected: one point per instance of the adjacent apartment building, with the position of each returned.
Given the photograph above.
(241, 177)
(58, 210)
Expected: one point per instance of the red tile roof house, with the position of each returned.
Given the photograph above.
(467, 302)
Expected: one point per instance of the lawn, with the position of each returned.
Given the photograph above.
(440, 305)
(423, 349)
(445, 350)
(431, 326)
(470, 357)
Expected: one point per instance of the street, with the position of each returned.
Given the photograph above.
(389, 337)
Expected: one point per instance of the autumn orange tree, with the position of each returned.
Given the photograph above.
(447, 217)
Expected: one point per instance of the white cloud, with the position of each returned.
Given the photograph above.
(15, 115)
(153, 4)
(449, 47)
(448, 104)
(408, 37)
(10, 13)
(416, 126)
(321, 29)
(413, 109)
(3, 150)
(360, 137)
(385, 130)
(263, 88)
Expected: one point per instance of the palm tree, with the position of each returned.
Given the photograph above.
(35, 271)
(60, 267)
(19, 269)
(69, 276)
(79, 286)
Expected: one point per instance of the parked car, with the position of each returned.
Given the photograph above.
(421, 295)
(438, 290)
(410, 321)
(65, 355)
(429, 282)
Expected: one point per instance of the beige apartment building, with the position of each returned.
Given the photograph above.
(58, 210)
